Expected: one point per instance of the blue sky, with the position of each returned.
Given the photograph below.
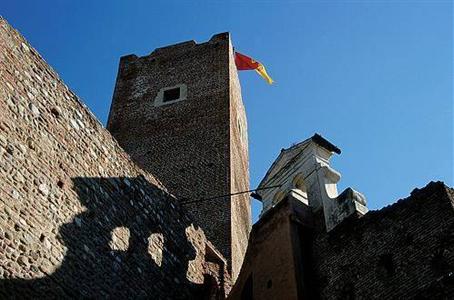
(373, 77)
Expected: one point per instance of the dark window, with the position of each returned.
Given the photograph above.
(386, 265)
(171, 94)
(269, 284)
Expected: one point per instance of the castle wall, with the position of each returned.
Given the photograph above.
(193, 146)
(77, 217)
(403, 251)
(269, 269)
(239, 170)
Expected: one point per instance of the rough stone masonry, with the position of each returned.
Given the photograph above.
(331, 247)
(77, 217)
(179, 113)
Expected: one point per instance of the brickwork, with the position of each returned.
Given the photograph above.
(269, 266)
(403, 251)
(197, 146)
(77, 217)
(239, 170)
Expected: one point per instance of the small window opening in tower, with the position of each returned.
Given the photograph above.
(171, 94)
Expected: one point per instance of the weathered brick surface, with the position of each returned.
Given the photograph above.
(403, 251)
(197, 147)
(269, 262)
(239, 171)
(77, 217)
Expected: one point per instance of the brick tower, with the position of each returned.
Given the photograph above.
(178, 113)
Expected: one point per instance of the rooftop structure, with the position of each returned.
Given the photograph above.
(304, 171)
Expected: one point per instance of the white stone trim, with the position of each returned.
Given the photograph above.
(309, 178)
(159, 100)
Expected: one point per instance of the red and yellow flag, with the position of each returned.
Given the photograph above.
(244, 62)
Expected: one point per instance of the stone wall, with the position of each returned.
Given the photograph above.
(269, 269)
(194, 146)
(77, 217)
(403, 251)
(239, 170)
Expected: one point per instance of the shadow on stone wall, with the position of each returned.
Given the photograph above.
(94, 267)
